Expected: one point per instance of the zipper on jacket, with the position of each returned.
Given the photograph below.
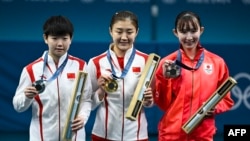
(191, 100)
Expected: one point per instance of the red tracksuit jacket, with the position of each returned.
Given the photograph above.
(181, 97)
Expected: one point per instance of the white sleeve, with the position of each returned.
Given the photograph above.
(20, 102)
(93, 78)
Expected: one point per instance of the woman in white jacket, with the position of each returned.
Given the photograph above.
(123, 64)
(53, 77)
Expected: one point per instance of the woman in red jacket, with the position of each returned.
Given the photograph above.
(182, 92)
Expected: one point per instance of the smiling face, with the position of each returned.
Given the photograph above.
(188, 30)
(189, 36)
(123, 30)
(123, 33)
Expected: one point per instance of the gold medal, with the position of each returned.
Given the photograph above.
(111, 85)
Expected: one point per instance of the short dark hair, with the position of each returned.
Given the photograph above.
(58, 26)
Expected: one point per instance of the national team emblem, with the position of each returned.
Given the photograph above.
(208, 68)
(71, 76)
(136, 70)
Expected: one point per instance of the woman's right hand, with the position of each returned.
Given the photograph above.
(165, 65)
(30, 92)
(101, 83)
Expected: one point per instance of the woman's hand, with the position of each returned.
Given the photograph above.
(77, 123)
(30, 92)
(101, 83)
(165, 65)
(210, 112)
(148, 97)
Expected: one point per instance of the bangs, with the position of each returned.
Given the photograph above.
(124, 15)
(58, 26)
(59, 30)
(187, 23)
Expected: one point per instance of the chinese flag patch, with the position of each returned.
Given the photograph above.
(71, 75)
(136, 69)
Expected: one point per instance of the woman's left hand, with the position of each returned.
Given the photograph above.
(77, 123)
(210, 112)
(148, 97)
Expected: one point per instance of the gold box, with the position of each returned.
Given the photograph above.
(74, 104)
(144, 82)
(214, 99)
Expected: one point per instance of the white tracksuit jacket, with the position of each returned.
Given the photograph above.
(50, 108)
(110, 122)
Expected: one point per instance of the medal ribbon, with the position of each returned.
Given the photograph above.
(125, 70)
(179, 63)
(58, 71)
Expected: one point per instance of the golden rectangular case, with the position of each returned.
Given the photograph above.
(74, 104)
(209, 104)
(145, 81)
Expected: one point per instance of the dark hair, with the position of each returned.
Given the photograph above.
(123, 15)
(184, 18)
(58, 26)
